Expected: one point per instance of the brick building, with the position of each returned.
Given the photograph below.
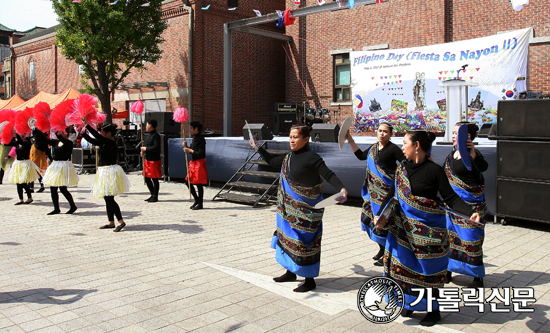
(266, 71)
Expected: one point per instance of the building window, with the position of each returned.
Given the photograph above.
(31, 71)
(342, 78)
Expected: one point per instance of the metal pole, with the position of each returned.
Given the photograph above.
(227, 80)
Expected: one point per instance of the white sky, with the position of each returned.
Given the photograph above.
(26, 14)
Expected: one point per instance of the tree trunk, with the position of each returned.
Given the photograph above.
(106, 106)
(105, 95)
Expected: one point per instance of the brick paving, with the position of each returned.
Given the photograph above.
(177, 270)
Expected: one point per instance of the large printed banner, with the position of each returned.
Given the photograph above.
(400, 86)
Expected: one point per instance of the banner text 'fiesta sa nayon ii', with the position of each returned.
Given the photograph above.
(400, 86)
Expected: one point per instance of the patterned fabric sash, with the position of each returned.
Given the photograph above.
(466, 239)
(375, 188)
(417, 246)
(299, 228)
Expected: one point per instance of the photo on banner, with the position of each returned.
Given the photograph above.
(400, 86)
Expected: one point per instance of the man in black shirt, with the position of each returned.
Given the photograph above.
(152, 163)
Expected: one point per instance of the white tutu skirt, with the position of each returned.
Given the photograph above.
(61, 173)
(24, 171)
(110, 181)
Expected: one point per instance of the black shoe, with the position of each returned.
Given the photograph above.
(287, 277)
(53, 212)
(41, 190)
(197, 207)
(148, 199)
(119, 227)
(29, 201)
(72, 210)
(407, 313)
(308, 285)
(194, 205)
(19, 203)
(448, 277)
(378, 256)
(107, 226)
(476, 283)
(154, 199)
(431, 318)
(379, 263)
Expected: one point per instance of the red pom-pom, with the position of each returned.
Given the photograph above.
(6, 125)
(181, 115)
(137, 107)
(8, 132)
(57, 118)
(41, 114)
(22, 121)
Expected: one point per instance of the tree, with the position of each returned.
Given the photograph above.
(108, 38)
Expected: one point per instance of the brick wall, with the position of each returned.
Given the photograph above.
(263, 74)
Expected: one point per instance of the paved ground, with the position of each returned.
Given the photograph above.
(173, 269)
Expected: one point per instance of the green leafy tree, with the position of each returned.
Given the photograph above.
(108, 39)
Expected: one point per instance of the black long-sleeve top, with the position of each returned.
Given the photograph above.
(473, 177)
(427, 179)
(62, 148)
(22, 148)
(387, 156)
(199, 147)
(39, 140)
(305, 167)
(107, 148)
(152, 145)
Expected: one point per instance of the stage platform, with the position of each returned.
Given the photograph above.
(224, 155)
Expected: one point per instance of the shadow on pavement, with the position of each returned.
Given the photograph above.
(45, 296)
(186, 229)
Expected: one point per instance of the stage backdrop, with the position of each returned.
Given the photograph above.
(400, 86)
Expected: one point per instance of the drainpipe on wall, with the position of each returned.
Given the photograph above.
(55, 68)
(190, 61)
(12, 71)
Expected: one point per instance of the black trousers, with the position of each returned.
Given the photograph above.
(112, 208)
(1, 175)
(200, 189)
(153, 186)
(55, 196)
(21, 187)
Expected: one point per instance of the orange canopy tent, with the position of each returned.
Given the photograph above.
(67, 94)
(11, 103)
(40, 97)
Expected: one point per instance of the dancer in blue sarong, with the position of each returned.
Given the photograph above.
(297, 239)
(381, 163)
(417, 246)
(465, 238)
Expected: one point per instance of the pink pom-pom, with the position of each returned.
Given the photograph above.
(137, 107)
(58, 120)
(41, 114)
(100, 117)
(181, 115)
(84, 112)
(22, 121)
(12, 153)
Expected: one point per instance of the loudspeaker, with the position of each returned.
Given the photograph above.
(259, 131)
(484, 130)
(523, 119)
(283, 122)
(524, 159)
(523, 199)
(325, 132)
(165, 120)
